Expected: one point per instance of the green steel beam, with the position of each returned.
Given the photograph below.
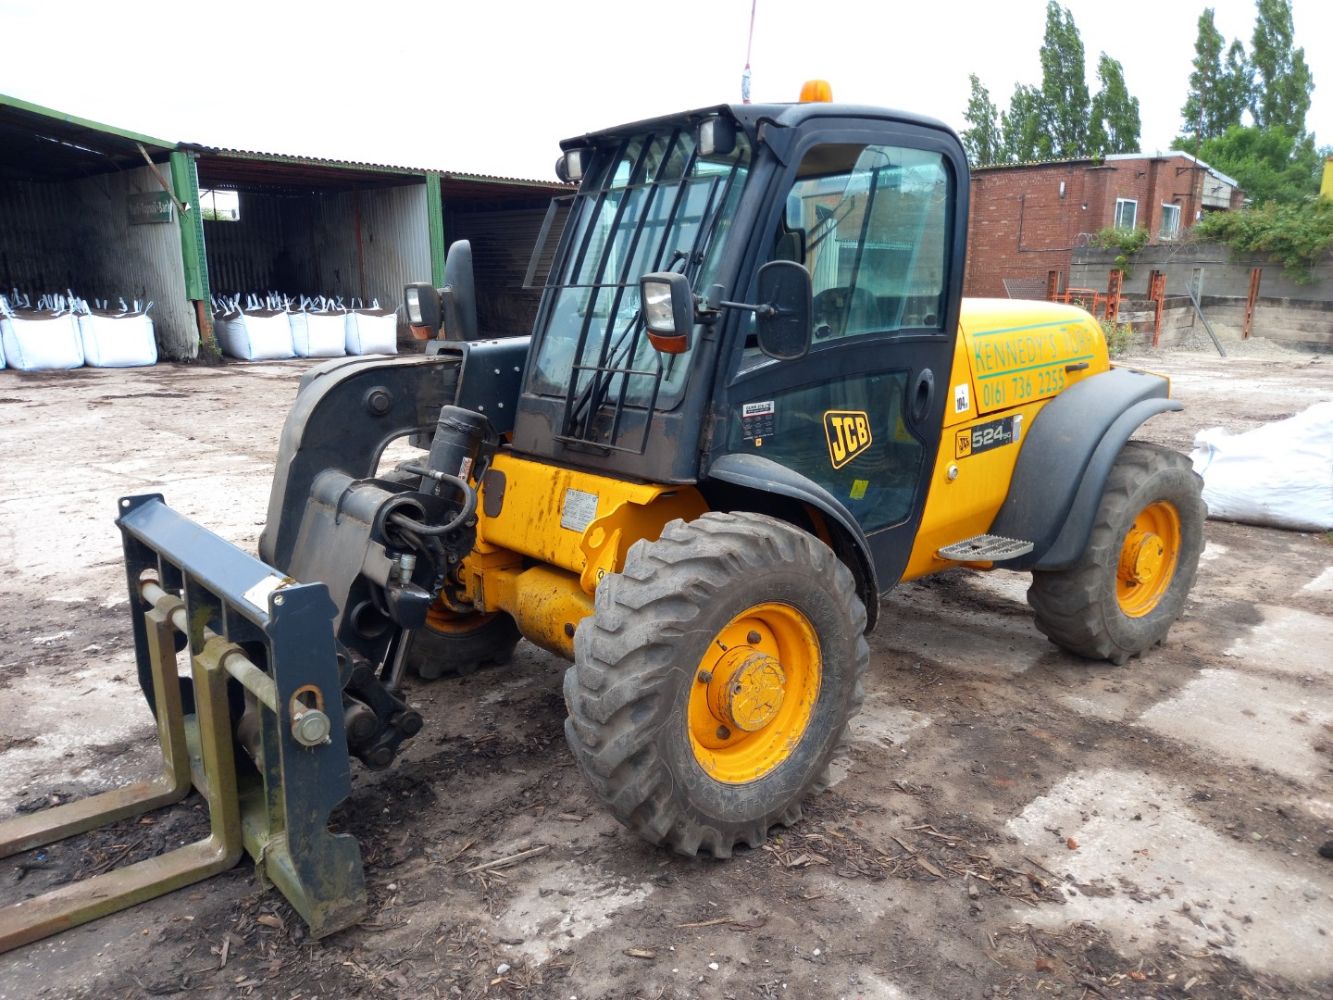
(161, 144)
(435, 225)
(185, 180)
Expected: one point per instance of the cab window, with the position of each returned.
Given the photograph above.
(870, 223)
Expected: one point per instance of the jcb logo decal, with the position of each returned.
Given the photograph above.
(848, 433)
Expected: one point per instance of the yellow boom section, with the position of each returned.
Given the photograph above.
(546, 535)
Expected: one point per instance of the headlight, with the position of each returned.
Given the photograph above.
(657, 306)
(413, 299)
(717, 136)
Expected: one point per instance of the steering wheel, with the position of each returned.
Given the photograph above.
(835, 309)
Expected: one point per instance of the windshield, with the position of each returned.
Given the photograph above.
(653, 205)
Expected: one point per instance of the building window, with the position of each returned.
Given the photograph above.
(219, 206)
(1126, 213)
(1170, 222)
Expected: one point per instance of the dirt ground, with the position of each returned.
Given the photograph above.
(1008, 822)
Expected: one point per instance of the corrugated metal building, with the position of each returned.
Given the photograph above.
(71, 216)
(81, 208)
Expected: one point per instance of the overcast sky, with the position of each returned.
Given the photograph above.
(491, 86)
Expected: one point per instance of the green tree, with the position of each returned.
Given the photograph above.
(1269, 164)
(1114, 118)
(982, 138)
(1021, 130)
(1298, 234)
(1283, 82)
(1219, 91)
(1064, 88)
(1235, 88)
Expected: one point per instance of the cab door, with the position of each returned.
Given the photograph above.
(876, 213)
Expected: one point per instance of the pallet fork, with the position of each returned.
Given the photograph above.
(273, 798)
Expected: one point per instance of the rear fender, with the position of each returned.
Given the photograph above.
(1066, 457)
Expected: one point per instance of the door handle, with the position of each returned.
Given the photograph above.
(923, 394)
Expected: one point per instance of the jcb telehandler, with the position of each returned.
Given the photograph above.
(753, 401)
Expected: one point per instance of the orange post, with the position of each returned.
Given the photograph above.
(1251, 301)
(1157, 292)
(1113, 287)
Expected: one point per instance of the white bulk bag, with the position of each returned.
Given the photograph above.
(372, 331)
(254, 333)
(43, 340)
(121, 339)
(318, 331)
(1278, 474)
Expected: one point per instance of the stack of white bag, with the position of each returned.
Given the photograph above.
(261, 331)
(1278, 474)
(42, 339)
(373, 330)
(121, 338)
(318, 328)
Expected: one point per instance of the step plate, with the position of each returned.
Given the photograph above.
(985, 548)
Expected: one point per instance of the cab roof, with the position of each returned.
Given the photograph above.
(750, 116)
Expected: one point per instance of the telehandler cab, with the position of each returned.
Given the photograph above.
(752, 402)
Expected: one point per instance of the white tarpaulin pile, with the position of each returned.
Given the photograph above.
(373, 330)
(261, 331)
(318, 328)
(42, 339)
(121, 338)
(1278, 474)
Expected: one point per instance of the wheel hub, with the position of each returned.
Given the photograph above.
(1148, 559)
(748, 689)
(1142, 557)
(753, 692)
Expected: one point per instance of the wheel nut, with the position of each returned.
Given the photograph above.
(723, 733)
(704, 677)
(753, 637)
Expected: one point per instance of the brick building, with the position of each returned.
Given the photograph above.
(1026, 219)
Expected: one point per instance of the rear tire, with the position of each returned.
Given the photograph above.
(1129, 585)
(715, 679)
(457, 645)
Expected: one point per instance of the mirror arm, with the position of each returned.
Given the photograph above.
(764, 312)
(711, 303)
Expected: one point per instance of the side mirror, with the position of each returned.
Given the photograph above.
(458, 297)
(668, 310)
(422, 303)
(783, 322)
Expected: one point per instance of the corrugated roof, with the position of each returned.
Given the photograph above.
(1099, 160)
(221, 166)
(38, 143)
(1075, 161)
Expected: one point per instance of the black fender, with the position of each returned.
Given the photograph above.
(765, 476)
(1065, 458)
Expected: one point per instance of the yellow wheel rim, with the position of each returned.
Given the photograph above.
(753, 693)
(446, 621)
(1148, 559)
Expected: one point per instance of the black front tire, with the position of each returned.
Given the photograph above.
(638, 656)
(1078, 608)
(464, 649)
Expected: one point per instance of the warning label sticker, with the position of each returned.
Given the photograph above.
(757, 419)
(578, 510)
